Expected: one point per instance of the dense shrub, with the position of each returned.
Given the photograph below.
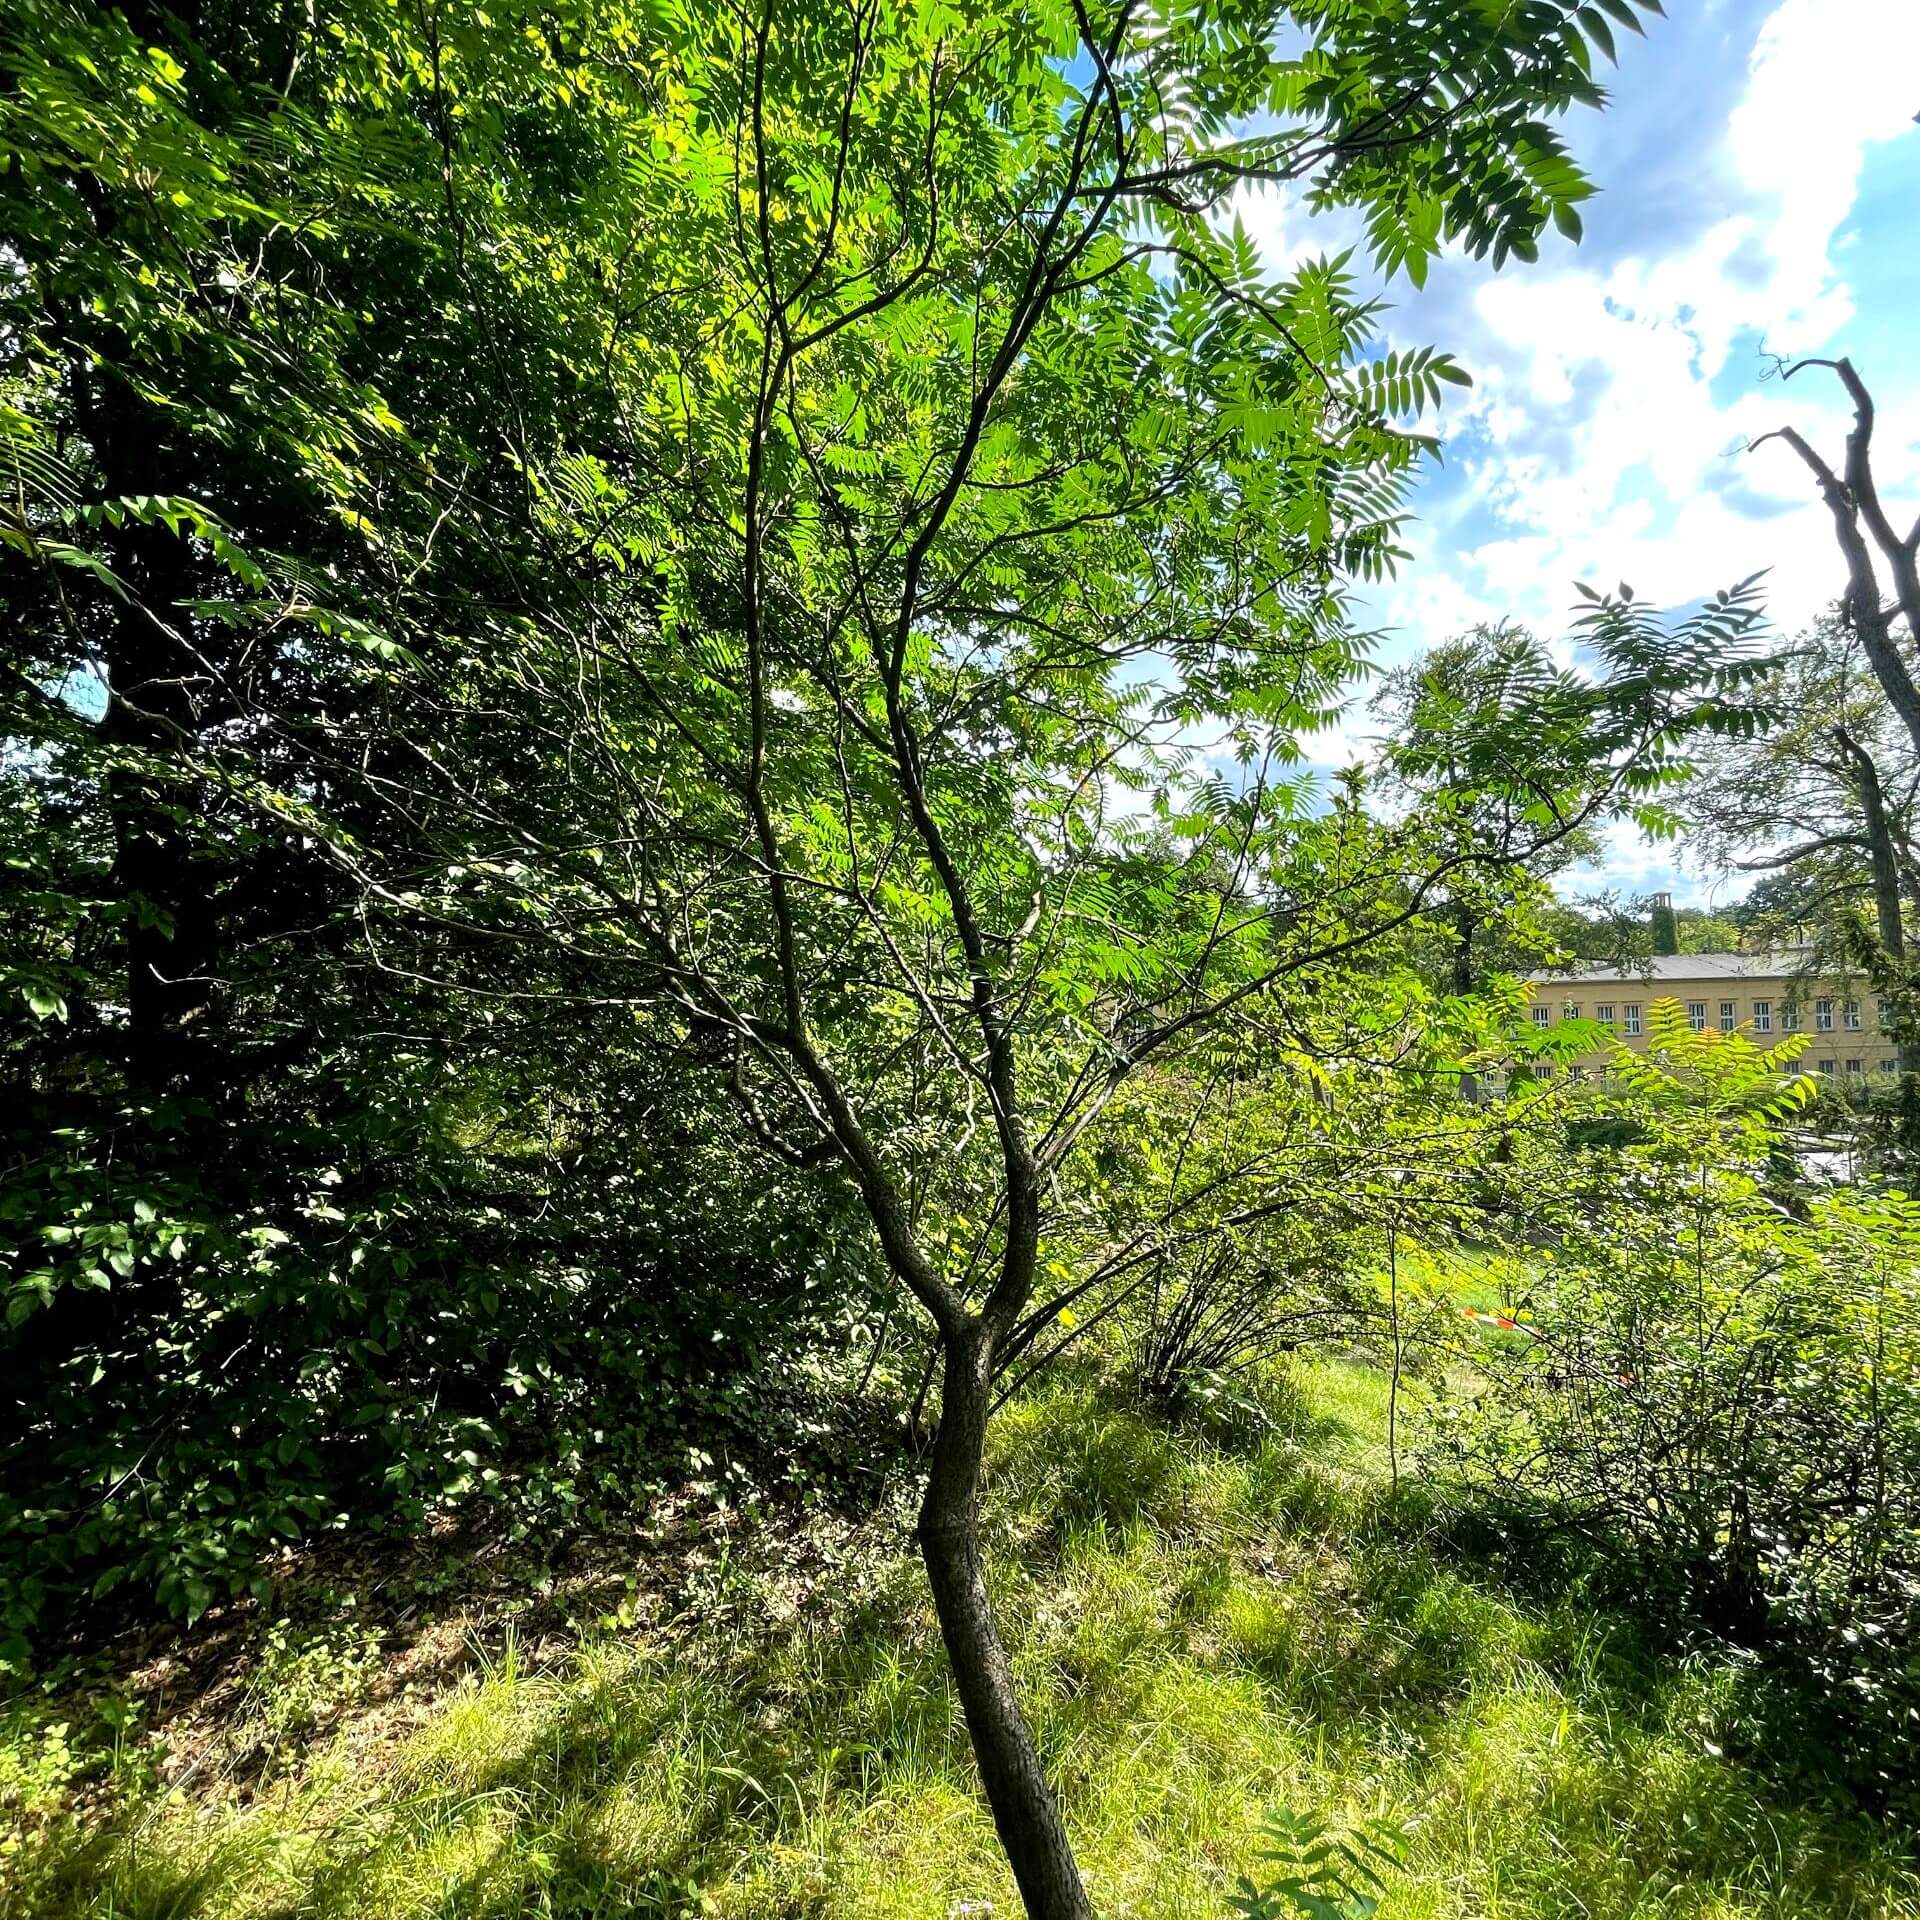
(382, 1302)
(1214, 1309)
(1724, 1389)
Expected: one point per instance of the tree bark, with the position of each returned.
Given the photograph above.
(1891, 928)
(1880, 848)
(1849, 499)
(1025, 1813)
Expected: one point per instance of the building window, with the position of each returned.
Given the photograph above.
(1729, 1016)
(1580, 1073)
(1850, 1012)
(1823, 1016)
(1541, 1016)
(1763, 1016)
(1880, 1014)
(1604, 1014)
(1570, 1011)
(1789, 1016)
(1853, 1066)
(1825, 1066)
(1632, 1014)
(1697, 1015)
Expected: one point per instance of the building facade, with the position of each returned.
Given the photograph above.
(1766, 996)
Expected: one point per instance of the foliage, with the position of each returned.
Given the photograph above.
(422, 1330)
(598, 589)
(302, 1676)
(1494, 742)
(1665, 928)
(1701, 932)
(1201, 1629)
(311, 1218)
(1790, 803)
(1494, 696)
(1724, 1382)
(1270, 1224)
(1318, 1872)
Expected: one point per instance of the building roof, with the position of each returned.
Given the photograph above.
(1787, 963)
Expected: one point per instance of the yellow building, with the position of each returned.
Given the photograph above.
(1763, 995)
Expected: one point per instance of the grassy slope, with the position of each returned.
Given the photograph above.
(1203, 1631)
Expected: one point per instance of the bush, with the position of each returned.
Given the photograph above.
(376, 1308)
(1213, 1310)
(1725, 1389)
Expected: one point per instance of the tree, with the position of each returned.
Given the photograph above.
(294, 1233)
(1016, 471)
(1483, 694)
(1607, 927)
(1888, 630)
(1781, 905)
(1494, 743)
(871, 462)
(1665, 926)
(1699, 931)
(1828, 792)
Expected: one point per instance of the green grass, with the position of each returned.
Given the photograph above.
(1204, 1627)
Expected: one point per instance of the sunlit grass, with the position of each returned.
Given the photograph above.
(1203, 1627)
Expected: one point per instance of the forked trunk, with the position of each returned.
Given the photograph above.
(1024, 1809)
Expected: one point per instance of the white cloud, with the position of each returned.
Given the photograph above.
(1593, 445)
(1593, 442)
(1826, 80)
(1629, 864)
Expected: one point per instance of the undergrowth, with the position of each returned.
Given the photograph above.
(1208, 1623)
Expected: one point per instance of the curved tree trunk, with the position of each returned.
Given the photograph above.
(1025, 1812)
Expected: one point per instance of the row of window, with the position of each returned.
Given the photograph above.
(1627, 1016)
(1544, 1069)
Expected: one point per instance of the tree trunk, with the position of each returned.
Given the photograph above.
(1025, 1812)
(1890, 925)
(1886, 866)
(157, 683)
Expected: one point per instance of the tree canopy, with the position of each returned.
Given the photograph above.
(605, 586)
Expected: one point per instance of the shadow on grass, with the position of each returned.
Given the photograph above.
(1214, 1623)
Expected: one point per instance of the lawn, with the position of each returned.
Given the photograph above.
(1208, 1624)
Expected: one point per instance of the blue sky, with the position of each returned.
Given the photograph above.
(1758, 171)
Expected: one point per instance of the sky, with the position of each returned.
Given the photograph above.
(1758, 176)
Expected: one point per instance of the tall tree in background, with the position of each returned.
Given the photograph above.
(1885, 620)
(1885, 617)
(1475, 703)
(1829, 791)
(1490, 741)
